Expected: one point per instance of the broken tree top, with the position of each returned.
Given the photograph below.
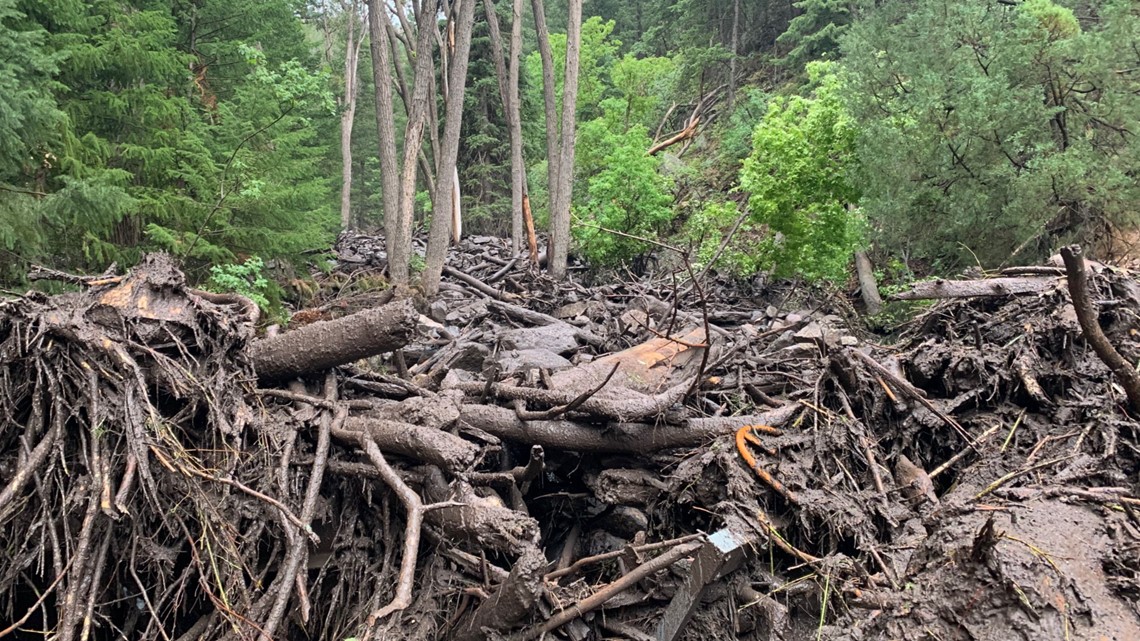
(514, 460)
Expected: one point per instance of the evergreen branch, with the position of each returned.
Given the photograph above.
(17, 190)
(223, 193)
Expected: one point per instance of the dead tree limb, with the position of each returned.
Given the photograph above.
(426, 444)
(632, 408)
(326, 344)
(867, 285)
(1090, 325)
(597, 599)
(905, 387)
(415, 518)
(937, 289)
(511, 601)
(638, 438)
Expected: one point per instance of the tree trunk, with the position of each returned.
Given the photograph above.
(443, 200)
(867, 285)
(550, 105)
(514, 120)
(326, 344)
(398, 229)
(735, 49)
(385, 123)
(354, 39)
(560, 214)
(508, 92)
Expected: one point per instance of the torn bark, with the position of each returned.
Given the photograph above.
(1090, 325)
(326, 344)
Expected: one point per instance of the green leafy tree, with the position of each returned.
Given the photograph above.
(628, 195)
(992, 129)
(814, 33)
(799, 182)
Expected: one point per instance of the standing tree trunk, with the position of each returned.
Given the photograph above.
(867, 285)
(353, 40)
(509, 93)
(398, 228)
(442, 201)
(514, 121)
(560, 213)
(549, 103)
(735, 49)
(385, 122)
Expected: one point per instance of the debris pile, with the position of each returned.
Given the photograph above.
(522, 457)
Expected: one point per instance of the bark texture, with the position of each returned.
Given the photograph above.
(560, 211)
(385, 115)
(398, 228)
(354, 38)
(446, 196)
(326, 344)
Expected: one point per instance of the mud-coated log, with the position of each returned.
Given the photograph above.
(937, 289)
(427, 444)
(867, 285)
(326, 344)
(613, 437)
(511, 601)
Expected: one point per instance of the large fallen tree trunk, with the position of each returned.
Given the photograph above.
(326, 344)
(940, 288)
(637, 438)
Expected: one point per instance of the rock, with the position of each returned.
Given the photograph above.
(523, 359)
(625, 521)
(557, 338)
(848, 341)
(818, 333)
(571, 310)
(438, 311)
(795, 317)
(470, 357)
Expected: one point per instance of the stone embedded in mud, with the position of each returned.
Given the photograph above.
(525, 359)
(559, 338)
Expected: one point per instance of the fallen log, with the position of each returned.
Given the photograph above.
(613, 438)
(326, 344)
(940, 288)
(426, 444)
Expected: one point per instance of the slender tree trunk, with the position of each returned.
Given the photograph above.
(442, 202)
(354, 39)
(399, 231)
(735, 49)
(385, 124)
(867, 285)
(550, 104)
(514, 121)
(560, 214)
(508, 75)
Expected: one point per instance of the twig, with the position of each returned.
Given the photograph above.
(1012, 475)
(597, 599)
(1087, 316)
(606, 556)
(46, 593)
(555, 412)
(312, 493)
(910, 391)
(962, 454)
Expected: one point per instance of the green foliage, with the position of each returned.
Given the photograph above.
(799, 183)
(246, 279)
(814, 33)
(706, 229)
(990, 128)
(626, 194)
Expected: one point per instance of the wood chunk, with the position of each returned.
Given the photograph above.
(326, 344)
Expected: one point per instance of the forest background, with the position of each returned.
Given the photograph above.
(776, 137)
